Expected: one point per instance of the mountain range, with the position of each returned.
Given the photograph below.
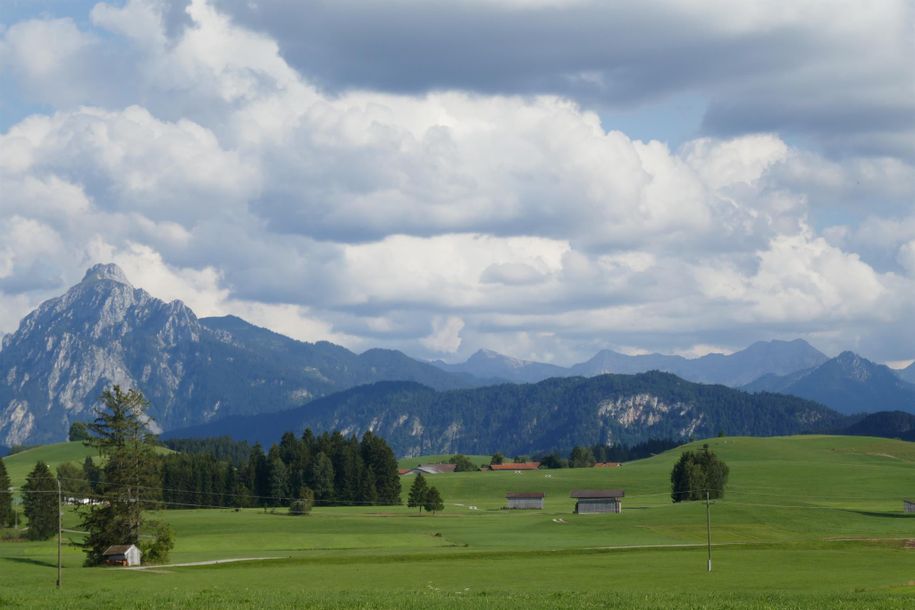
(104, 331)
(848, 383)
(737, 369)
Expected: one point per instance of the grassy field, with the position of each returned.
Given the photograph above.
(807, 522)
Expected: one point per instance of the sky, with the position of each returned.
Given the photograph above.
(543, 178)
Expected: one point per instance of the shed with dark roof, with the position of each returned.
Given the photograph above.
(908, 506)
(122, 555)
(598, 500)
(525, 500)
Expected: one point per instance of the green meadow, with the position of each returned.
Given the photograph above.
(807, 522)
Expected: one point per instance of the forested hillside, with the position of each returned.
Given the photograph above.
(555, 414)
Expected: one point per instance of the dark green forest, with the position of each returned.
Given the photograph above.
(527, 419)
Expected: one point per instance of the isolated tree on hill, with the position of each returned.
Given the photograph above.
(433, 502)
(130, 475)
(698, 472)
(39, 497)
(496, 459)
(418, 491)
(6, 498)
(462, 463)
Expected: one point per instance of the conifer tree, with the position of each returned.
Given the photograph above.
(130, 475)
(418, 491)
(39, 497)
(433, 502)
(6, 498)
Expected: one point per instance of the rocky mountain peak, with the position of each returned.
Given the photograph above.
(105, 271)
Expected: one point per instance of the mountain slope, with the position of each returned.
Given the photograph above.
(847, 383)
(104, 331)
(553, 414)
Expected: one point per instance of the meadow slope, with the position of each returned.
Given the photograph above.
(810, 521)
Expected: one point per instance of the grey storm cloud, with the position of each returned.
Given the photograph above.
(844, 78)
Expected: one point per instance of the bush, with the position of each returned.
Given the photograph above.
(302, 505)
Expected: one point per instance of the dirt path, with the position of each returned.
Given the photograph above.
(212, 562)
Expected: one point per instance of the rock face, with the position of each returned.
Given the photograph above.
(104, 331)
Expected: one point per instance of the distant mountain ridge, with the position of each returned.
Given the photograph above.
(847, 383)
(737, 369)
(557, 413)
(104, 331)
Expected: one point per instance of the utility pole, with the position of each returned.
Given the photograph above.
(708, 530)
(60, 526)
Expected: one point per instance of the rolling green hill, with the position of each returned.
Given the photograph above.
(807, 522)
(19, 464)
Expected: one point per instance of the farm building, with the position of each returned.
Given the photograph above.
(598, 501)
(908, 506)
(434, 468)
(525, 500)
(607, 465)
(122, 555)
(512, 467)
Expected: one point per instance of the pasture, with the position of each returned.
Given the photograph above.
(808, 521)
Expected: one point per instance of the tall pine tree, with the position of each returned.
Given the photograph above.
(418, 491)
(39, 497)
(130, 476)
(6, 498)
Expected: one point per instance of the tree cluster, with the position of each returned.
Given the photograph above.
(698, 473)
(423, 496)
(462, 463)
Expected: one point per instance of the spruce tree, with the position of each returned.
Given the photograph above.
(433, 502)
(39, 497)
(6, 498)
(323, 478)
(418, 491)
(130, 475)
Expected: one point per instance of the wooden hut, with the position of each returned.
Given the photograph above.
(513, 467)
(525, 500)
(598, 501)
(908, 506)
(122, 555)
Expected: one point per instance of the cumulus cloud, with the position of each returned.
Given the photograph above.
(218, 166)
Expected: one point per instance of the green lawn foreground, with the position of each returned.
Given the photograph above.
(807, 522)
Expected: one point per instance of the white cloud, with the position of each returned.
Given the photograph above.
(437, 223)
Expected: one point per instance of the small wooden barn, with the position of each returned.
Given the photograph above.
(122, 555)
(513, 467)
(525, 500)
(598, 501)
(908, 506)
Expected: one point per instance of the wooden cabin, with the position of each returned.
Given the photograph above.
(525, 500)
(122, 555)
(513, 467)
(591, 501)
(908, 506)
